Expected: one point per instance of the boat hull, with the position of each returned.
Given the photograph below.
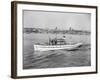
(56, 47)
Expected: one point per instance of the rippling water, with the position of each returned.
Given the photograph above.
(56, 58)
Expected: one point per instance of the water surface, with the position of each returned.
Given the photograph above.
(57, 58)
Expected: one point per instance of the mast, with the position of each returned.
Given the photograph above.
(48, 36)
(56, 33)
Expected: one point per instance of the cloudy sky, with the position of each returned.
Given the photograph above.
(61, 20)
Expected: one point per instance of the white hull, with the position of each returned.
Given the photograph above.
(56, 47)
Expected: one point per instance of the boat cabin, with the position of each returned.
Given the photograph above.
(57, 41)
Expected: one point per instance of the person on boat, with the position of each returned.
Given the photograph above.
(53, 42)
(50, 41)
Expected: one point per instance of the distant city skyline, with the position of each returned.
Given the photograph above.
(61, 20)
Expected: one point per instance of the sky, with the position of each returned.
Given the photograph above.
(61, 20)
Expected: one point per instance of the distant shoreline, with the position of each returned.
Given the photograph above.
(53, 31)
